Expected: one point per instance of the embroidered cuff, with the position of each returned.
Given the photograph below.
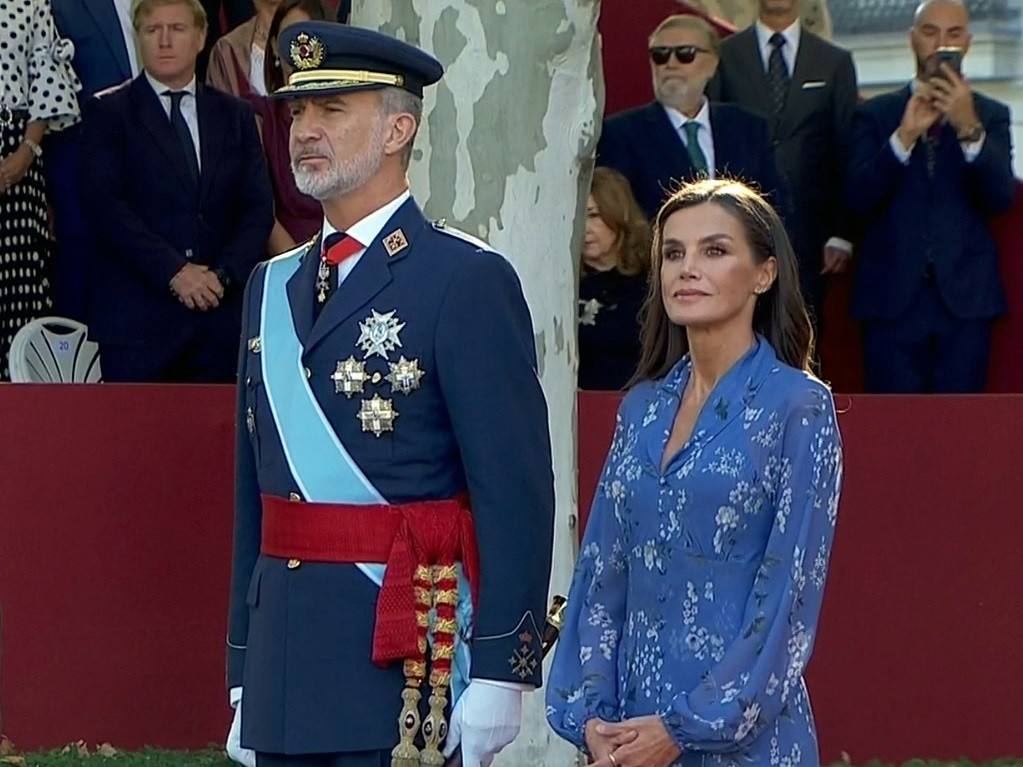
(515, 656)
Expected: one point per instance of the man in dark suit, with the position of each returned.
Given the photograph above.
(806, 87)
(105, 56)
(392, 432)
(681, 135)
(931, 163)
(176, 187)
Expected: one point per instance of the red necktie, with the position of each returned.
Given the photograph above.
(340, 251)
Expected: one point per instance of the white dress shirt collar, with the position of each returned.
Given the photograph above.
(678, 119)
(705, 136)
(365, 230)
(159, 87)
(791, 34)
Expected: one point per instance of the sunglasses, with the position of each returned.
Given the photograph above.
(684, 54)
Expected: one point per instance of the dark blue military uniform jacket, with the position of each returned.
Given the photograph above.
(300, 637)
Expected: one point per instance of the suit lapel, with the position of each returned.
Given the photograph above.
(154, 119)
(371, 275)
(302, 289)
(105, 15)
(748, 49)
(211, 139)
(801, 72)
(725, 144)
(668, 148)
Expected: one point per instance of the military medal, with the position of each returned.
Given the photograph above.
(377, 415)
(404, 376)
(322, 281)
(378, 334)
(349, 377)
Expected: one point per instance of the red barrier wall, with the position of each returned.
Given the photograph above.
(115, 537)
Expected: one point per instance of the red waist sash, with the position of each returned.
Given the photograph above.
(402, 536)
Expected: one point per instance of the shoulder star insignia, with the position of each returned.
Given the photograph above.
(378, 334)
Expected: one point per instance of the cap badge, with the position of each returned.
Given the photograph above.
(307, 51)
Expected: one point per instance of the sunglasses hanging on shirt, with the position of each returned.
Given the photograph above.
(684, 54)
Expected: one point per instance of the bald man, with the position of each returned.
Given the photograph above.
(931, 162)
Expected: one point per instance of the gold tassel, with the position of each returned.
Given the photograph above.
(406, 753)
(445, 598)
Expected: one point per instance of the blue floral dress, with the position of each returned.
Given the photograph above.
(698, 588)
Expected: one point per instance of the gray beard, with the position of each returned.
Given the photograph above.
(345, 175)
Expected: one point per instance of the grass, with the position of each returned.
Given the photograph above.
(74, 756)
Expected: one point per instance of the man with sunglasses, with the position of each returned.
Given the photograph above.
(806, 87)
(681, 136)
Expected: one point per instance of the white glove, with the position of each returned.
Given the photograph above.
(486, 718)
(235, 752)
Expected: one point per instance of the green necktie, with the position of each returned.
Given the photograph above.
(696, 156)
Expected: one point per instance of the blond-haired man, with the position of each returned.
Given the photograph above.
(176, 187)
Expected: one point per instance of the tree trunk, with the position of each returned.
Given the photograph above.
(505, 153)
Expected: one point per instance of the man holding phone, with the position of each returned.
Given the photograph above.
(930, 164)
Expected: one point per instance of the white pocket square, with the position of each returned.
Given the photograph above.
(811, 84)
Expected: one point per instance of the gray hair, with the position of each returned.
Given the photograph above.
(396, 101)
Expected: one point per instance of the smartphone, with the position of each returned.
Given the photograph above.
(951, 56)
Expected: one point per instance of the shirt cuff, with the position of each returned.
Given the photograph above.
(840, 244)
(970, 151)
(520, 686)
(901, 153)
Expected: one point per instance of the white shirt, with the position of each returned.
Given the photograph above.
(365, 230)
(128, 30)
(705, 135)
(256, 75)
(788, 51)
(970, 151)
(189, 110)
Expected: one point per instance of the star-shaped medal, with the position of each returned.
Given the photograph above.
(349, 377)
(378, 334)
(588, 311)
(377, 415)
(405, 375)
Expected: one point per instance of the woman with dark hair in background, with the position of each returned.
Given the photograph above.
(694, 606)
(612, 283)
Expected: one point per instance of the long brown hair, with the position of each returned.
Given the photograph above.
(620, 211)
(780, 314)
(273, 74)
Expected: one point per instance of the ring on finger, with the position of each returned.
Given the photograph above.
(611, 758)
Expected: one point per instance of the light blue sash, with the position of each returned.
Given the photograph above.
(322, 468)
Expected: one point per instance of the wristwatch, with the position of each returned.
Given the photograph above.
(973, 135)
(223, 276)
(36, 149)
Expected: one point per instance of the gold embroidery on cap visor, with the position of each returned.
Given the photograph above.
(307, 51)
(324, 79)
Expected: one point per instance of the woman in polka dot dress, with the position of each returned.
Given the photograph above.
(37, 94)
